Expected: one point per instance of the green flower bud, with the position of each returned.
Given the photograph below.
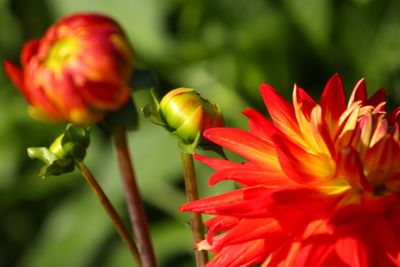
(188, 114)
(67, 149)
(71, 144)
(57, 148)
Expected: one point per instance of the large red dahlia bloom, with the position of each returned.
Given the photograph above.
(77, 71)
(320, 184)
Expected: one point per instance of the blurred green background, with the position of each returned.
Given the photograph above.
(224, 49)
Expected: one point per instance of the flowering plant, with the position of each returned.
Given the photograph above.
(319, 184)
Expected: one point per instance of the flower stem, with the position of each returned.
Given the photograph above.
(192, 194)
(135, 205)
(112, 213)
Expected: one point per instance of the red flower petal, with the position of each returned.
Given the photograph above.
(359, 93)
(377, 98)
(388, 241)
(251, 177)
(253, 229)
(319, 253)
(350, 168)
(315, 136)
(240, 255)
(315, 248)
(238, 203)
(333, 102)
(347, 130)
(302, 166)
(303, 100)
(379, 132)
(351, 249)
(281, 111)
(104, 96)
(218, 224)
(42, 105)
(28, 51)
(394, 219)
(294, 207)
(251, 147)
(379, 203)
(379, 160)
(258, 124)
(17, 77)
(217, 164)
(394, 116)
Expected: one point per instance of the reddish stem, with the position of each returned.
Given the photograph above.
(112, 213)
(134, 202)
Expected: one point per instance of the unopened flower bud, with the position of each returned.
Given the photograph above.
(188, 114)
(77, 72)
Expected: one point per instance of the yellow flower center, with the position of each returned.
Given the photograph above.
(61, 53)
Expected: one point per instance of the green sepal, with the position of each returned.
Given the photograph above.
(189, 148)
(42, 153)
(207, 146)
(62, 155)
(58, 167)
(126, 117)
(52, 164)
(75, 141)
(152, 112)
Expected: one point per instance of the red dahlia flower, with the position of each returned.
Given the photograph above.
(320, 184)
(77, 71)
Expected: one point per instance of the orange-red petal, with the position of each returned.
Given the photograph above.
(217, 164)
(359, 93)
(282, 113)
(258, 150)
(251, 177)
(333, 102)
(258, 124)
(16, 75)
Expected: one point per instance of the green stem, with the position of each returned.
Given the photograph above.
(112, 213)
(135, 205)
(192, 194)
